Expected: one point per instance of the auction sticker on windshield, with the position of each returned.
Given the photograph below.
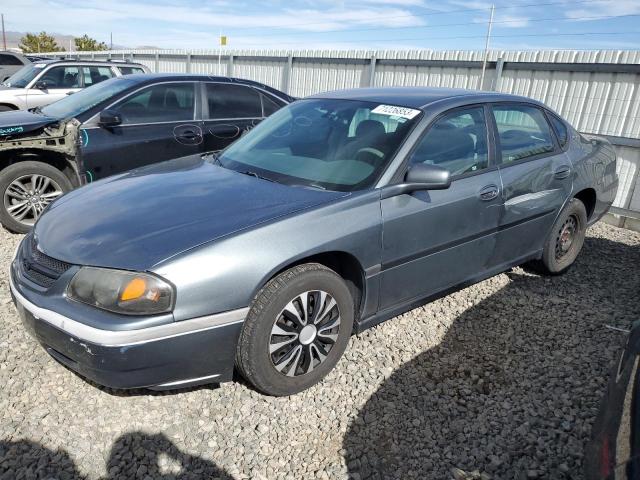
(393, 111)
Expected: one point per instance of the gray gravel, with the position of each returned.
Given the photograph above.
(500, 380)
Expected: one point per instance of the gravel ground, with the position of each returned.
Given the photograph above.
(503, 378)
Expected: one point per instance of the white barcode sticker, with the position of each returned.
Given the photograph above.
(394, 111)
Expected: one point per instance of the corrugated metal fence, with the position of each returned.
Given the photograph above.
(597, 91)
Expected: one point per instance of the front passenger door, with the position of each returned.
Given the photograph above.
(158, 123)
(438, 239)
(56, 83)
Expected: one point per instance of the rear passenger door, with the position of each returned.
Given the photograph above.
(230, 110)
(158, 123)
(537, 178)
(92, 74)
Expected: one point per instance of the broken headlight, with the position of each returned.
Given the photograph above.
(129, 293)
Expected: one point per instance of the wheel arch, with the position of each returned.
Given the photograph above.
(345, 264)
(10, 105)
(588, 197)
(55, 159)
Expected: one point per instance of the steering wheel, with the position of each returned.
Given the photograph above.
(373, 155)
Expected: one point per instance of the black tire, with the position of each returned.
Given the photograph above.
(6, 108)
(254, 360)
(57, 181)
(557, 254)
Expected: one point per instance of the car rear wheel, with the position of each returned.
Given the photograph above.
(565, 239)
(27, 188)
(297, 329)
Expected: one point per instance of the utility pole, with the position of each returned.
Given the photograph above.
(111, 41)
(486, 47)
(4, 37)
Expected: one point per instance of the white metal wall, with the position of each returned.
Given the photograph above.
(593, 101)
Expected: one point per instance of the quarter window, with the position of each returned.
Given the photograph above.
(523, 132)
(130, 70)
(269, 105)
(233, 101)
(561, 130)
(165, 102)
(456, 141)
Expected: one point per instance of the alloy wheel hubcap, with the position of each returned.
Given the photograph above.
(304, 333)
(27, 196)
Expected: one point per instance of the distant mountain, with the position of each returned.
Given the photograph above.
(65, 41)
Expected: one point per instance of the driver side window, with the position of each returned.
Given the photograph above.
(457, 141)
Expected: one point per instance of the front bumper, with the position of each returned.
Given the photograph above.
(174, 355)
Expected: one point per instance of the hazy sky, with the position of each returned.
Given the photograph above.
(358, 24)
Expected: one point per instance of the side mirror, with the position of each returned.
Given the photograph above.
(41, 85)
(420, 177)
(110, 118)
(428, 177)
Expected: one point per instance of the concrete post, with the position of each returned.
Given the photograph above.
(495, 83)
(372, 71)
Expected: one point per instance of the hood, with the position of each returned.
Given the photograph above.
(136, 220)
(17, 122)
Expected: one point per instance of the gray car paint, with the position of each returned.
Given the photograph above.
(225, 270)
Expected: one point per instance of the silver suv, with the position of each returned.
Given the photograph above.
(44, 82)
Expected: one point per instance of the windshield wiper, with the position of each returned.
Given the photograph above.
(213, 156)
(257, 175)
(36, 110)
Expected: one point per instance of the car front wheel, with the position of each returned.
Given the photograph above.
(27, 188)
(297, 329)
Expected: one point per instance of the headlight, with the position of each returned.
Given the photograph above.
(118, 291)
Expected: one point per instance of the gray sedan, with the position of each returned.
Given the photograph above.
(336, 213)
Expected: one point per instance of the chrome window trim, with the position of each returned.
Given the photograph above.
(119, 338)
(94, 120)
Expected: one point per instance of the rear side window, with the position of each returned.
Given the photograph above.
(233, 101)
(165, 102)
(523, 132)
(9, 60)
(561, 130)
(130, 70)
(457, 141)
(93, 75)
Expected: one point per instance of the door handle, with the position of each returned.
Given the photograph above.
(489, 193)
(562, 172)
(189, 135)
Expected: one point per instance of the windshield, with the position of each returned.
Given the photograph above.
(86, 99)
(22, 77)
(332, 144)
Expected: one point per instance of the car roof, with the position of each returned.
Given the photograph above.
(115, 62)
(418, 97)
(143, 78)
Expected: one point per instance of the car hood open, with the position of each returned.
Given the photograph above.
(18, 122)
(137, 219)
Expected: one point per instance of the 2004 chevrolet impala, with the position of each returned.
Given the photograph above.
(338, 212)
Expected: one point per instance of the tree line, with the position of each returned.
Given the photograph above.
(43, 42)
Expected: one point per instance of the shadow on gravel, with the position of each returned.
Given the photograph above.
(513, 387)
(133, 455)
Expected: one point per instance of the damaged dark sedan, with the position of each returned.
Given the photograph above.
(334, 214)
(115, 126)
